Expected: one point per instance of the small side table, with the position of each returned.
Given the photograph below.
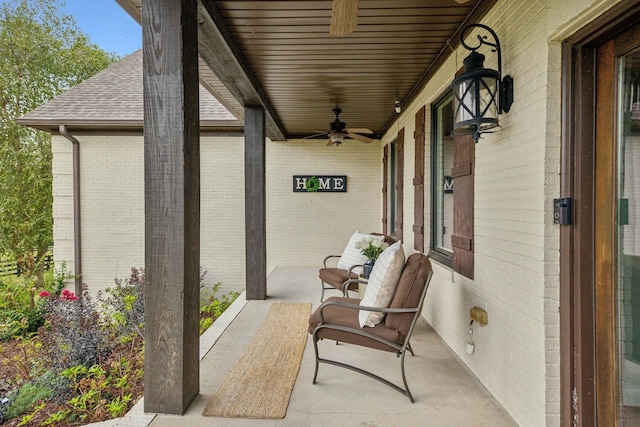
(362, 286)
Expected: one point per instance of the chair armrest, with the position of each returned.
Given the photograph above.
(360, 331)
(324, 261)
(346, 284)
(361, 307)
(354, 266)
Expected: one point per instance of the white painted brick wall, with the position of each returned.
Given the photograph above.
(516, 243)
(222, 248)
(509, 229)
(62, 188)
(302, 227)
(112, 199)
(112, 207)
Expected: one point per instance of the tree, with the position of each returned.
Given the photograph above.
(42, 54)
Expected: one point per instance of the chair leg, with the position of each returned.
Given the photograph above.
(315, 347)
(410, 349)
(404, 390)
(322, 294)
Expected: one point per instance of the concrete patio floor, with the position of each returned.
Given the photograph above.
(445, 391)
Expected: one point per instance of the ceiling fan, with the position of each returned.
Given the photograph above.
(338, 132)
(344, 16)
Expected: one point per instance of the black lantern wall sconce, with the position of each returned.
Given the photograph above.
(480, 94)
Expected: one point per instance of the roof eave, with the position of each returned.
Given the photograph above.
(50, 125)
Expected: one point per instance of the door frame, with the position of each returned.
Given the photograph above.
(579, 404)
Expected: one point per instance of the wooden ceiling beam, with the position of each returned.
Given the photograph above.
(220, 51)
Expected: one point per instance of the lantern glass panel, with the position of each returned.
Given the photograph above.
(465, 100)
(488, 102)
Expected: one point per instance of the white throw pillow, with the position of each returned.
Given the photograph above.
(352, 255)
(382, 284)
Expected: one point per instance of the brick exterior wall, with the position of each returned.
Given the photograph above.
(516, 243)
(302, 227)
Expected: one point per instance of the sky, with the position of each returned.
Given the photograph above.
(106, 24)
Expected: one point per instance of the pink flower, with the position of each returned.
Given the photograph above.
(44, 294)
(68, 296)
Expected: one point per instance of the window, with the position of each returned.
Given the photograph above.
(393, 182)
(442, 191)
(453, 192)
(418, 181)
(393, 187)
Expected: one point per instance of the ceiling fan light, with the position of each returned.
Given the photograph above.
(337, 138)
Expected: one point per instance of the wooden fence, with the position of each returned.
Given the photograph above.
(10, 268)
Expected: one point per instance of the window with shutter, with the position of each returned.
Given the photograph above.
(462, 173)
(441, 181)
(393, 178)
(399, 186)
(418, 182)
(385, 186)
(452, 192)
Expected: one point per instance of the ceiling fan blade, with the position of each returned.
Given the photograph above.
(462, 1)
(344, 17)
(359, 130)
(359, 137)
(320, 133)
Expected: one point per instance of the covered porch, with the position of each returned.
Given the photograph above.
(495, 245)
(446, 392)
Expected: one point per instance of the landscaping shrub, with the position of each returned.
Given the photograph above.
(123, 305)
(74, 333)
(86, 363)
(212, 307)
(27, 396)
(22, 309)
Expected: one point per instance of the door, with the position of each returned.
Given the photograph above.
(617, 230)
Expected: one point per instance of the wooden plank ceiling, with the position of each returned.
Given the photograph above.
(300, 72)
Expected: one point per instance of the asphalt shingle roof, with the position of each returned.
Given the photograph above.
(113, 98)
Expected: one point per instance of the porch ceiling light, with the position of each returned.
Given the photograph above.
(480, 94)
(336, 138)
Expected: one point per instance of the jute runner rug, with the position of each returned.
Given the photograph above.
(260, 383)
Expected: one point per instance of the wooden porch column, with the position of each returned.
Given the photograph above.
(172, 204)
(255, 202)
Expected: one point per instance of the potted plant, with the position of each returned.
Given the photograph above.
(370, 247)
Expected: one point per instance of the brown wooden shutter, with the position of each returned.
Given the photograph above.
(400, 185)
(385, 185)
(462, 174)
(418, 182)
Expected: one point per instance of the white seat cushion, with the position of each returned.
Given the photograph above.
(353, 256)
(382, 284)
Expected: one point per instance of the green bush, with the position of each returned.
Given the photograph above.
(74, 334)
(212, 307)
(123, 306)
(27, 396)
(90, 365)
(22, 309)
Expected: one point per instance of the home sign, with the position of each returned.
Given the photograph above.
(319, 183)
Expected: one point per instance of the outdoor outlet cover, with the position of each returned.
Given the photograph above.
(469, 348)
